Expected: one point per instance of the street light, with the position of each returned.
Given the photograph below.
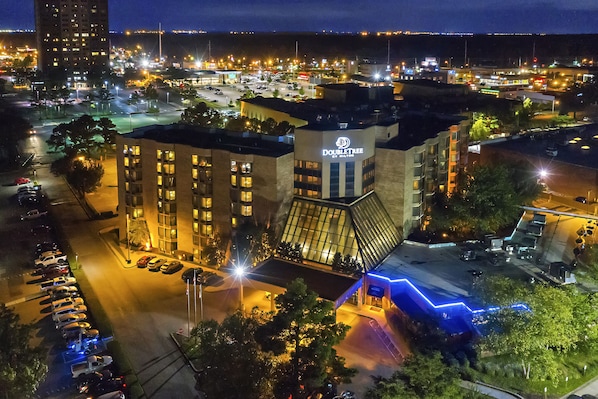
(128, 242)
(239, 273)
(116, 88)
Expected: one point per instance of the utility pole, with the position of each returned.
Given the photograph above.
(160, 40)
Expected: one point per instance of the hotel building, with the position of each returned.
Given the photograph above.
(350, 188)
(72, 39)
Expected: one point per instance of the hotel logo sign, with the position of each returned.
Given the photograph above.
(343, 149)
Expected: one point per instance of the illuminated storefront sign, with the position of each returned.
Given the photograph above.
(343, 149)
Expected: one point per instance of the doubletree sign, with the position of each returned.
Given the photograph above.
(343, 149)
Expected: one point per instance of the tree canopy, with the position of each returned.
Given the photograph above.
(420, 376)
(84, 135)
(556, 320)
(305, 328)
(22, 367)
(275, 355)
(488, 199)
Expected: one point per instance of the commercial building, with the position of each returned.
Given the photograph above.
(350, 189)
(72, 39)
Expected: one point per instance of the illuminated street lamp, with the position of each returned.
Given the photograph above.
(239, 274)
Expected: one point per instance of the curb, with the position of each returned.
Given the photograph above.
(25, 299)
(176, 342)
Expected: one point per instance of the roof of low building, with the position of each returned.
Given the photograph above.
(281, 273)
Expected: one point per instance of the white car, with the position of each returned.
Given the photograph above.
(64, 290)
(74, 329)
(70, 318)
(90, 365)
(33, 214)
(57, 282)
(72, 309)
(61, 303)
(49, 259)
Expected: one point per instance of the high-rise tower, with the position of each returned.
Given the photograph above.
(72, 39)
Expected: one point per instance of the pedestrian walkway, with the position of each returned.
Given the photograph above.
(489, 390)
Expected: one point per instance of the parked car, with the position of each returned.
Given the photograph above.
(50, 258)
(30, 199)
(52, 273)
(40, 229)
(171, 267)
(45, 247)
(57, 282)
(66, 289)
(109, 386)
(69, 318)
(64, 294)
(468, 255)
(86, 381)
(74, 329)
(144, 260)
(187, 275)
(74, 309)
(583, 200)
(209, 278)
(61, 303)
(22, 180)
(155, 264)
(90, 365)
(33, 214)
(25, 189)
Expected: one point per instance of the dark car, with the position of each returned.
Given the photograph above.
(144, 260)
(171, 267)
(209, 278)
(40, 229)
(45, 247)
(107, 385)
(583, 200)
(85, 381)
(187, 275)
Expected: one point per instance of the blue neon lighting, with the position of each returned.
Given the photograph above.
(518, 306)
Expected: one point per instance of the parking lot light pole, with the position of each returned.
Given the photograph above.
(128, 242)
(240, 272)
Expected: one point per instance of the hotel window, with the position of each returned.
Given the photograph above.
(206, 216)
(206, 203)
(349, 179)
(233, 180)
(206, 230)
(334, 179)
(234, 222)
(171, 195)
(159, 167)
(194, 173)
(159, 155)
(195, 214)
(169, 169)
(233, 166)
(246, 196)
(194, 160)
(246, 167)
(246, 182)
(170, 156)
(159, 180)
(195, 227)
(126, 162)
(246, 210)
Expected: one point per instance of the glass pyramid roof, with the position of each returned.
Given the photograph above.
(362, 229)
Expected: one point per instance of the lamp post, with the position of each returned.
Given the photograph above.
(167, 97)
(128, 242)
(76, 260)
(116, 88)
(240, 272)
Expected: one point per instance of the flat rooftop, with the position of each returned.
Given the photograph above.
(440, 274)
(280, 273)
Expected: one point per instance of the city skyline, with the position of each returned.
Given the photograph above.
(448, 16)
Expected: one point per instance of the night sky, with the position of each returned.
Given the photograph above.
(476, 16)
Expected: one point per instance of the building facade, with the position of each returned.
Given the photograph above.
(72, 39)
(190, 185)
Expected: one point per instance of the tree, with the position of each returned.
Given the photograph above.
(276, 93)
(482, 127)
(202, 115)
(138, 232)
(422, 377)
(22, 367)
(305, 328)
(232, 364)
(107, 130)
(85, 177)
(486, 202)
(550, 324)
(151, 95)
